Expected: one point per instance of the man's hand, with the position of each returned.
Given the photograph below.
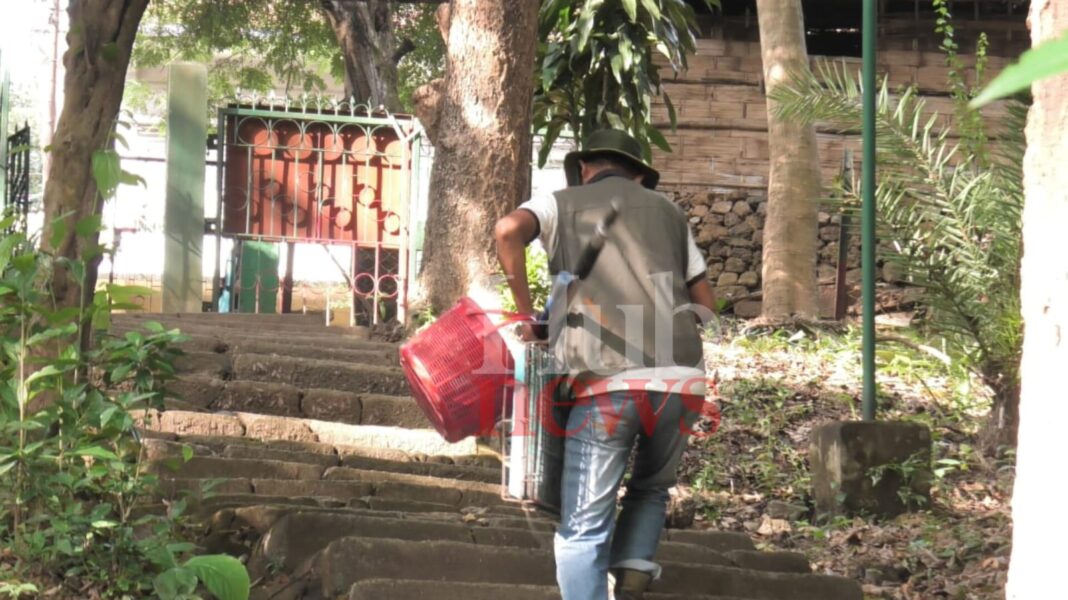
(526, 332)
(513, 232)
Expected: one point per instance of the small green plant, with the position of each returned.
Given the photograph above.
(912, 472)
(537, 278)
(74, 490)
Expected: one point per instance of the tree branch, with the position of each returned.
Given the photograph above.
(405, 47)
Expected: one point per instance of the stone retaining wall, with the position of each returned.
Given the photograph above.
(728, 226)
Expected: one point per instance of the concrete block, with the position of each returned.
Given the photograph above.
(875, 468)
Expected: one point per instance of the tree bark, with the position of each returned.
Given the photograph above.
(364, 31)
(483, 144)
(1035, 570)
(101, 37)
(791, 226)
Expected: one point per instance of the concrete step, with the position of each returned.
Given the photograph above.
(277, 323)
(163, 452)
(204, 364)
(350, 560)
(287, 318)
(296, 533)
(229, 336)
(284, 400)
(311, 452)
(322, 374)
(406, 589)
(385, 357)
(381, 485)
(402, 441)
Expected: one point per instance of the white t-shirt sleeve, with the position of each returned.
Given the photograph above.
(695, 261)
(545, 210)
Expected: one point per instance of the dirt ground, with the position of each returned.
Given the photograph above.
(752, 475)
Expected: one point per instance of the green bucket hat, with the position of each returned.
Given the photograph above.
(613, 143)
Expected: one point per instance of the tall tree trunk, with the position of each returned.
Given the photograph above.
(99, 43)
(364, 30)
(1035, 570)
(791, 226)
(483, 143)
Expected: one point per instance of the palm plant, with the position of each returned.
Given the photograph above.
(950, 201)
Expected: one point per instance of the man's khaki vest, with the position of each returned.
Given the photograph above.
(629, 312)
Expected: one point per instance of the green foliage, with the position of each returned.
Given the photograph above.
(950, 213)
(73, 489)
(912, 473)
(224, 576)
(258, 45)
(426, 61)
(596, 65)
(969, 123)
(1047, 60)
(248, 43)
(538, 279)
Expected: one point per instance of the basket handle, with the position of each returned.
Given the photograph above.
(511, 318)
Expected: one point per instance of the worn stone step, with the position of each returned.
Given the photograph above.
(282, 399)
(429, 469)
(386, 357)
(406, 589)
(287, 326)
(211, 467)
(297, 533)
(327, 455)
(228, 337)
(353, 493)
(425, 442)
(205, 364)
(256, 319)
(311, 373)
(350, 560)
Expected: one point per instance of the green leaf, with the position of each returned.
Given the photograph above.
(617, 67)
(673, 117)
(88, 226)
(7, 247)
(128, 178)
(187, 452)
(107, 171)
(224, 576)
(1047, 60)
(107, 414)
(64, 315)
(48, 371)
(653, 8)
(657, 138)
(585, 24)
(631, 6)
(126, 293)
(59, 232)
(52, 333)
(96, 452)
(64, 546)
(175, 583)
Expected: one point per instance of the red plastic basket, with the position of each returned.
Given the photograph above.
(457, 369)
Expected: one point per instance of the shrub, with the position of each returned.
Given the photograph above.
(75, 500)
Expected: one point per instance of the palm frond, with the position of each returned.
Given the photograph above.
(948, 216)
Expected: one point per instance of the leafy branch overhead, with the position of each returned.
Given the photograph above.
(596, 65)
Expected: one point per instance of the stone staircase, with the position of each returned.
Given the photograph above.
(324, 475)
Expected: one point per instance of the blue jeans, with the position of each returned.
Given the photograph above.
(602, 430)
